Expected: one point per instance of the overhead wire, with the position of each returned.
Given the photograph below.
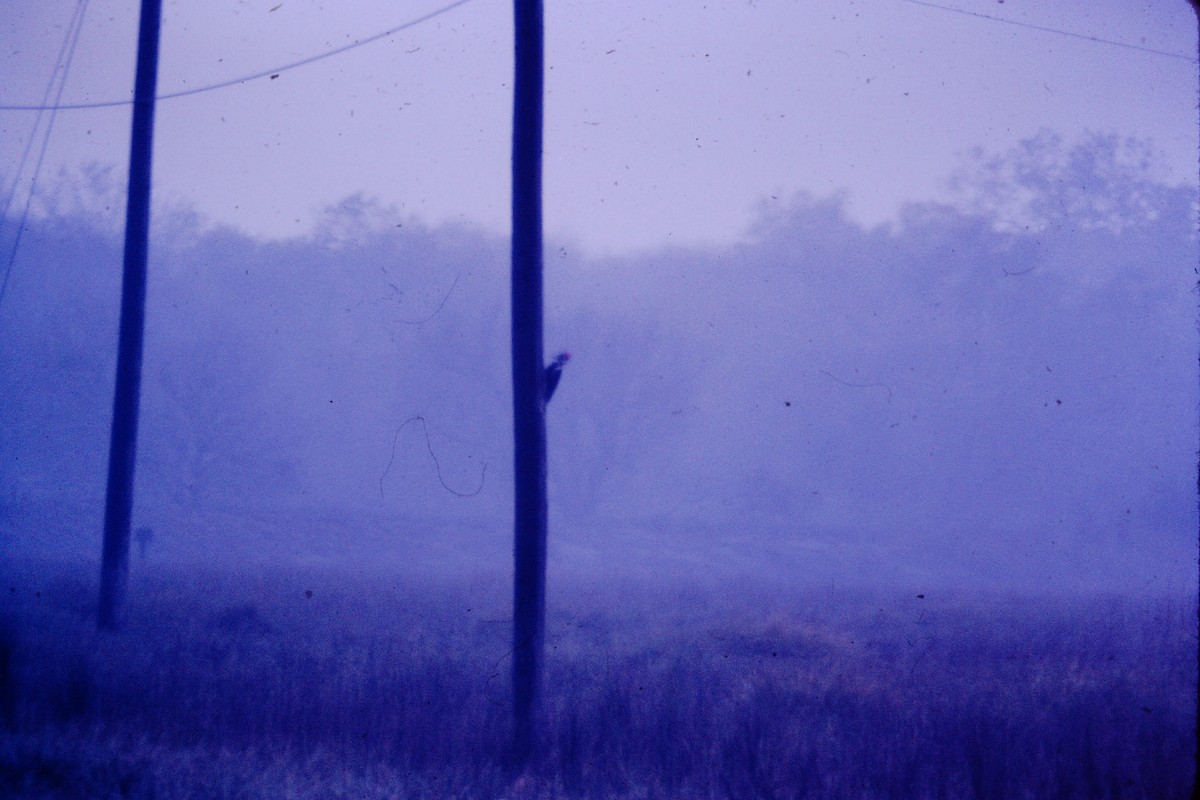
(71, 40)
(66, 54)
(16, 178)
(266, 73)
(1046, 29)
(275, 71)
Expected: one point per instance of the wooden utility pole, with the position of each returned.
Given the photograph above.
(1195, 4)
(529, 404)
(122, 453)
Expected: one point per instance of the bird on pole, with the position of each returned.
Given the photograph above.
(554, 373)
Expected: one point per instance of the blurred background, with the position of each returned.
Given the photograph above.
(872, 292)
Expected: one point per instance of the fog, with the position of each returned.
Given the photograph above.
(998, 390)
(872, 470)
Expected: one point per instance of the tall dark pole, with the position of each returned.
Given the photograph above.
(1196, 778)
(118, 506)
(529, 406)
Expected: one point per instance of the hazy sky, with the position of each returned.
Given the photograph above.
(667, 122)
(810, 378)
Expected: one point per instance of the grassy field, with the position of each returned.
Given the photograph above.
(289, 683)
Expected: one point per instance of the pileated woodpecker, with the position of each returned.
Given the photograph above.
(554, 373)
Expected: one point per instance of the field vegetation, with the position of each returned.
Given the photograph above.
(323, 683)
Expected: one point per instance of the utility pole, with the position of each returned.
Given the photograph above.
(1195, 4)
(122, 453)
(529, 402)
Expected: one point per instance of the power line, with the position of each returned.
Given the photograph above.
(70, 41)
(37, 123)
(275, 71)
(450, 7)
(1044, 29)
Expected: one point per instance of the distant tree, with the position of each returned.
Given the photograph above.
(209, 422)
(88, 196)
(1102, 182)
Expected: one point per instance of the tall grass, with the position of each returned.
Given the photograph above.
(323, 684)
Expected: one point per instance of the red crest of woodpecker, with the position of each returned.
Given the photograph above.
(554, 373)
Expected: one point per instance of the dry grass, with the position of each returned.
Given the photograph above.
(244, 686)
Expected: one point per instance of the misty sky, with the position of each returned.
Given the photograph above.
(849, 284)
(667, 122)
